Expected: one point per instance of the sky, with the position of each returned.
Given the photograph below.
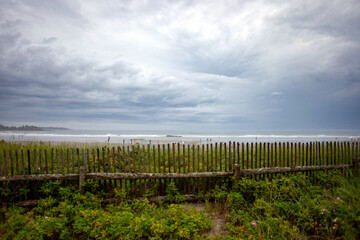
(184, 65)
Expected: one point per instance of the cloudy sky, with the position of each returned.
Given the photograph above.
(210, 65)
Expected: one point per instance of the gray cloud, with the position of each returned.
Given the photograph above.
(236, 65)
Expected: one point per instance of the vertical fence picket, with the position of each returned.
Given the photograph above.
(188, 162)
(251, 155)
(78, 158)
(35, 169)
(242, 155)
(73, 159)
(202, 158)
(148, 157)
(225, 158)
(247, 155)
(5, 164)
(62, 160)
(22, 162)
(29, 161)
(220, 157)
(93, 157)
(11, 163)
(46, 162)
(114, 159)
(260, 155)
(233, 162)
(230, 157)
(154, 157)
(40, 161)
(238, 153)
(216, 156)
(17, 162)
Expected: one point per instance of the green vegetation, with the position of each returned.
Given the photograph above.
(293, 207)
(324, 205)
(66, 214)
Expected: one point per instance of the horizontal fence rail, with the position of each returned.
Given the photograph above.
(191, 166)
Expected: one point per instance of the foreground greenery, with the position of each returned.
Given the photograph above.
(67, 214)
(321, 206)
(295, 206)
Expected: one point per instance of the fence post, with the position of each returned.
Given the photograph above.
(82, 172)
(356, 161)
(237, 173)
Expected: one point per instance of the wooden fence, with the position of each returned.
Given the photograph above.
(193, 168)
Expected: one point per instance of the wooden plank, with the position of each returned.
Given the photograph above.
(188, 147)
(29, 162)
(94, 162)
(284, 154)
(288, 154)
(202, 158)
(144, 158)
(99, 176)
(216, 156)
(242, 155)
(40, 162)
(207, 157)
(11, 163)
(230, 157)
(5, 164)
(46, 162)
(303, 154)
(260, 154)
(35, 169)
(225, 162)
(233, 155)
(159, 160)
(149, 157)
(295, 153)
(73, 160)
(183, 158)
(17, 162)
(78, 158)
(238, 153)
(39, 177)
(247, 155)
(193, 158)
(212, 157)
(252, 154)
(198, 158)
(154, 158)
(113, 159)
(220, 157)
(179, 158)
(246, 172)
(23, 163)
(322, 153)
(62, 160)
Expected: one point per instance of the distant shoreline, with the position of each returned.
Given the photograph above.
(30, 128)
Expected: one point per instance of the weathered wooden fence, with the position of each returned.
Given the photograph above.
(193, 168)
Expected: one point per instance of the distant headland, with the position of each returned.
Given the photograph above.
(29, 128)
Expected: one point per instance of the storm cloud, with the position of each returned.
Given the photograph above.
(166, 64)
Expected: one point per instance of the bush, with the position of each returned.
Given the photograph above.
(67, 214)
(294, 207)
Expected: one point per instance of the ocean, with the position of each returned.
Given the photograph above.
(160, 137)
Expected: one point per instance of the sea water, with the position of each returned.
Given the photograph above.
(160, 137)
